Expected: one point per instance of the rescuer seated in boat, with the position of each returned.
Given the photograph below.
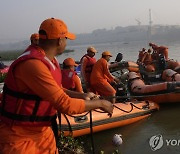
(87, 62)
(101, 79)
(155, 51)
(159, 50)
(163, 50)
(70, 79)
(147, 61)
(141, 55)
(119, 57)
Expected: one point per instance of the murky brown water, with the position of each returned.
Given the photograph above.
(136, 136)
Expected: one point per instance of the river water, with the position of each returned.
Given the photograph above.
(165, 122)
(129, 50)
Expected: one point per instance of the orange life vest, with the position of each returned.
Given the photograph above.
(148, 59)
(27, 109)
(90, 63)
(67, 79)
(163, 50)
(141, 55)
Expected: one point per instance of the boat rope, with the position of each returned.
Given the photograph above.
(82, 115)
(91, 127)
(91, 132)
(133, 106)
(123, 109)
(91, 120)
(69, 125)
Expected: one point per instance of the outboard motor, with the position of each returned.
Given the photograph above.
(121, 90)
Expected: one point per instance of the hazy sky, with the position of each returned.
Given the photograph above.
(21, 18)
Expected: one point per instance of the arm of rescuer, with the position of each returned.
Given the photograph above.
(83, 67)
(110, 78)
(144, 57)
(41, 82)
(78, 85)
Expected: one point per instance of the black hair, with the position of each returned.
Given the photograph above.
(65, 66)
(119, 57)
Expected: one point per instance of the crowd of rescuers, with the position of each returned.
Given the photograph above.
(33, 94)
(96, 75)
(152, 56)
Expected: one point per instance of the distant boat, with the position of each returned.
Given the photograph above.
(68, 50)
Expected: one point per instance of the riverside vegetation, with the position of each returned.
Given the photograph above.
(13, 54)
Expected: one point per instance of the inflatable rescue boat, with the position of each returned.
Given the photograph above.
(161, 92)
(123, 114)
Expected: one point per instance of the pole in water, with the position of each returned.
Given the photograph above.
(91, 130)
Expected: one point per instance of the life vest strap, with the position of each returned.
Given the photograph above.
(20, 94)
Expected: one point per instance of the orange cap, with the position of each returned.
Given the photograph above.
(55, 29)
(106, 53)
(70, 62)
(34, 36)
(92, 49)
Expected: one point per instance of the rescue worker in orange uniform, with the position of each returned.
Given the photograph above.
(147, 58)
(148, 61)
(32, 95)
(87, 63)
(164, 51)
(101, 78)
(70, 79)
(34, 39)
(160, 50)
(155, 53)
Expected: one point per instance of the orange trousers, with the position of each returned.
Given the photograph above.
(26, 140)
(103, 89)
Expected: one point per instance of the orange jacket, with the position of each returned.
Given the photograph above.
(163, 50)
(71, 81)
(140, 56)
(87, 64)
(100, 72)
(40, 81)
(147, 58)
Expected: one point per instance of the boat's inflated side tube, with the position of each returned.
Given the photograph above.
(138, 86)
(131, 66)
(171, 64)
(170, 75)
(150, 68)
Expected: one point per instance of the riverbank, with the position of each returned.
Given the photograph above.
(13, 54)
